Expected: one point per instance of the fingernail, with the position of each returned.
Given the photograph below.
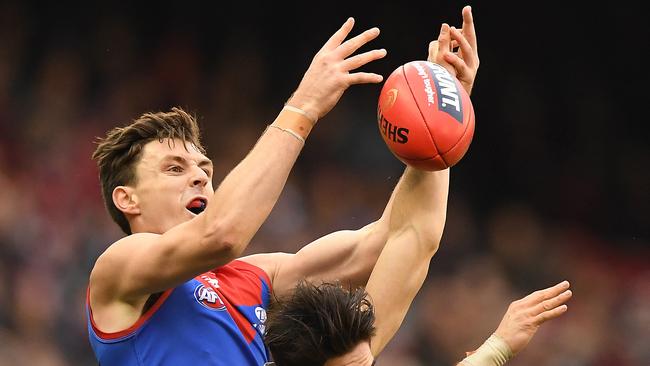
(444, 26)
(568, 292)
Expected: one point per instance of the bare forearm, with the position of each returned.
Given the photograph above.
(250, 191)
(417, 218)
(420, 203)
(246, 196)
(422, 198)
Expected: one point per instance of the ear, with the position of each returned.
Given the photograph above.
(126, 200)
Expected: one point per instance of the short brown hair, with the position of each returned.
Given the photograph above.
(317, 323)
(118, 153)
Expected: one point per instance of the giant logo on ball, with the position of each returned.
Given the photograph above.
(446, 89)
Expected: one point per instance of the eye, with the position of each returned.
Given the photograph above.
(175, 169)
(208, 172)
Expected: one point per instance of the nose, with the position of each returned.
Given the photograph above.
(199, 178)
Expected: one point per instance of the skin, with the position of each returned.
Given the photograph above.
(170, 245)
(399, 273)
(524, 316)
(169, 177)
(358, 356)
(417, 219)
(519, 324)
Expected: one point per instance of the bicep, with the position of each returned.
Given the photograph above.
(146, 263)
(334, 257)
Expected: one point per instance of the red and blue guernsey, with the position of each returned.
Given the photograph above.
(216, 318)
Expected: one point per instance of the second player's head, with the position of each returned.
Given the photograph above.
(324, 325)
(154, 174)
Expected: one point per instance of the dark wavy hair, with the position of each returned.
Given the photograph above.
(118, 153)
(318, 322)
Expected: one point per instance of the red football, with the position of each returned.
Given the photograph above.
(425, 116)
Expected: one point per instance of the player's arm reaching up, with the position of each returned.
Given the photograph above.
(416, 224)
(417, 216)
(159, 256)
(350, 255)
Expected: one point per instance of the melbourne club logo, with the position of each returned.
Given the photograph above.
(209, 298)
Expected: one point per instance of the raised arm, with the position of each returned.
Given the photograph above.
(419, 211)
(145, 263)
(350, 256)
(416, 225)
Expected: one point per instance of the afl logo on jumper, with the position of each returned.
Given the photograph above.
(209, 298)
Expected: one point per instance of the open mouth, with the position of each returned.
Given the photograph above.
(197, 206)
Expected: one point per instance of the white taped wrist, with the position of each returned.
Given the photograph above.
(290, 132)
(493, 352)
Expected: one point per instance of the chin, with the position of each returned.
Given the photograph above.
(189, 216)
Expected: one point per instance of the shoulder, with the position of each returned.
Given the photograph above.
(270, 263)
(115, 257)
(121, 249)
(128, 242)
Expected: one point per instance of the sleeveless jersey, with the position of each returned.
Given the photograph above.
(216, 318)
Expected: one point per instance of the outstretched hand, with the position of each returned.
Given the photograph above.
(464, 62)
(329, 74)
(524, 316)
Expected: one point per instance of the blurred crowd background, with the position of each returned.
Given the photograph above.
(555, 185)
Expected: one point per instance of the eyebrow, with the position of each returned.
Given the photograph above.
(204, 162)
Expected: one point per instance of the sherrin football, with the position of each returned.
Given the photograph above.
(425, 116)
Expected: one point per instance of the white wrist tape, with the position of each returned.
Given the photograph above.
(494, 352)
(290, 132)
